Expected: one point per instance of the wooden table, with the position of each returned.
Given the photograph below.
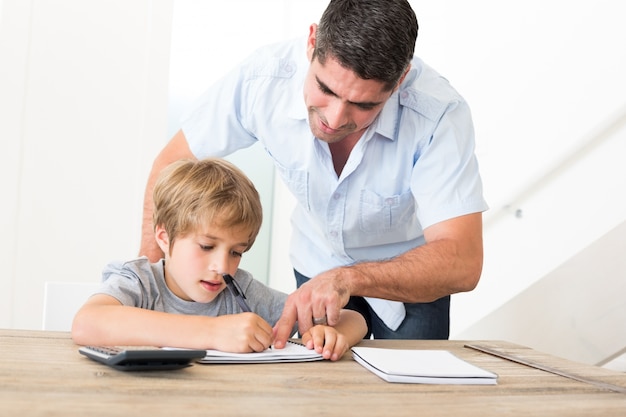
(42, 373)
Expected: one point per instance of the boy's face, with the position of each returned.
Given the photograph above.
(193, 270)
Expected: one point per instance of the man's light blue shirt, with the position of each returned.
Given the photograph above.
(415, 166)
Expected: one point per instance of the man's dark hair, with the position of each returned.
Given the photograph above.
(373, 38)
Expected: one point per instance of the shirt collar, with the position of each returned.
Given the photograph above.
(386, 124)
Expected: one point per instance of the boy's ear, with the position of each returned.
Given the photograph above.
(162, 238)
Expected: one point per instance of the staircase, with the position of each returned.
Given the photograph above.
(577, 311)
(555, 258)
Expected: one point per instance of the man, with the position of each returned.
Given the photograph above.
(380, 159)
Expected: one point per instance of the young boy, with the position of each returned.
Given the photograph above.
(207, 213)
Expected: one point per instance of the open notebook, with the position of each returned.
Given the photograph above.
(292, 352)
(421, 366)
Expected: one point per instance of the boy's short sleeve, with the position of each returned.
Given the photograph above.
(122, 284)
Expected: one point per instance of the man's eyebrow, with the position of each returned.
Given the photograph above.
(326, 90)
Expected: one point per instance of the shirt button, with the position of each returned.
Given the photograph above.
(336, 196)
(333, 233)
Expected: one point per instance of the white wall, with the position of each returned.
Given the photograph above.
(84, 109)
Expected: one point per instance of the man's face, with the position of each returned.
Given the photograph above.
(339, 102)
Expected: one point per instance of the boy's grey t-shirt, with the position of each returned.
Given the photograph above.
(139, 283)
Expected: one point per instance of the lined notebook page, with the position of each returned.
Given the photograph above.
(292, 352)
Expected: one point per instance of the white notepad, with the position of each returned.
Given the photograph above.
(292, 352)
(421, 366)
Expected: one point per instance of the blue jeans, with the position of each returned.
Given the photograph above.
(422, 321)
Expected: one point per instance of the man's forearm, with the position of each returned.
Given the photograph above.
(441, 267)
(176, 149)
(148, 246)
(412, 277)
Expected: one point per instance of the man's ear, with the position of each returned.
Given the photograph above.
(406, 71)
(310, 42)
(162, 239)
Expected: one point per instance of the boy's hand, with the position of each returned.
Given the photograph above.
(327, 341)
(240, 333)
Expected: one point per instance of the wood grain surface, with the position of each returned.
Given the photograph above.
(42, 374)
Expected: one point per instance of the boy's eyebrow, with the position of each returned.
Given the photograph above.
(244, 244)
(327, 90)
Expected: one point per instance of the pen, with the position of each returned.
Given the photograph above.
(235, 290)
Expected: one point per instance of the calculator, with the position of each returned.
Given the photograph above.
(125, 359)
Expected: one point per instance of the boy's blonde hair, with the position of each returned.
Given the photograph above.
(193, 194)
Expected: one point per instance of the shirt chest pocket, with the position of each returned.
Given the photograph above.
(379, 214)
(298, 183)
